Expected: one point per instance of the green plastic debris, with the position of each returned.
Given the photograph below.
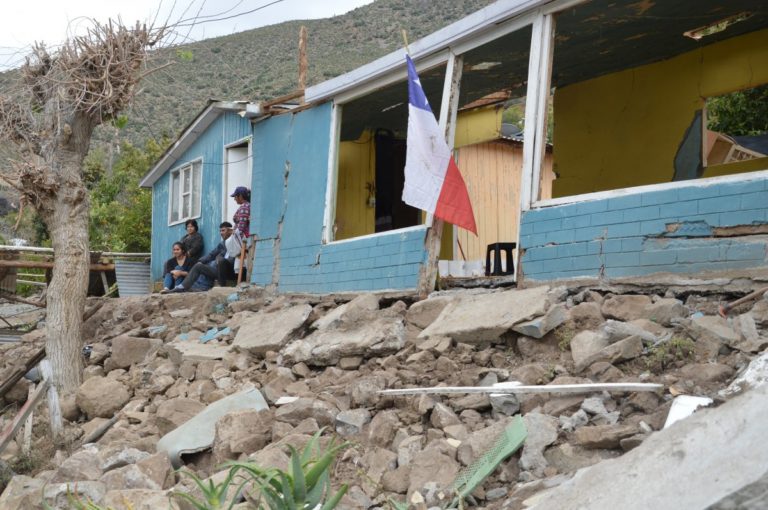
(508, 442)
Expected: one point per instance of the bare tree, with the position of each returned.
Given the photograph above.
(50, 117)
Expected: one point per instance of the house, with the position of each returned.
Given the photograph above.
(623, 83)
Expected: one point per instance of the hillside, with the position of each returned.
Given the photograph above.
(262, 63)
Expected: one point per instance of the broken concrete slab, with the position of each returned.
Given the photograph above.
(423, 313)
(382, 335)
(540, 326)
(478, 318)
(270, 331)
(542, 432)
(197, 434)
(665, 311)
(754, 376)
(128, 350)
(353, 311)
(181, 350)
(708, 459)
(683, 406)
(625, 307)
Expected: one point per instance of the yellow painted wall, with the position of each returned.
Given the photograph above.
(478, 125)
(624, 129)
(356, 168)
(751, 165)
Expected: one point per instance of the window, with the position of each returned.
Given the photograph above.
(185, 192)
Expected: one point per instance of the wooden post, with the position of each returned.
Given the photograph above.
(26, 444)
(26, 409)
(54, 409)
(303, 63)
(448, 110)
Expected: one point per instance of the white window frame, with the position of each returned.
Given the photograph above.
(195, 182)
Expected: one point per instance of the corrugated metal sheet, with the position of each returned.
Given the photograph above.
(132, 278)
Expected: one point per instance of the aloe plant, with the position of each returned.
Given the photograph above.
(214, 494)
(307, 485)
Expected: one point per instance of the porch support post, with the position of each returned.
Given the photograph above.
(447, 122)
(536, 106)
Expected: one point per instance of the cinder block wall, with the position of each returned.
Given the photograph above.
(683, 230)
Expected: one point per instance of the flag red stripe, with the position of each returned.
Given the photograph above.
(453, 204)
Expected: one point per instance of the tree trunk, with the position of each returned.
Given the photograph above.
(66, 216)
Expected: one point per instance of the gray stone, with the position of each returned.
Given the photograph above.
(101, 397)
(323, 412)
(59, 495)
(376, 337)
(271, 331)
(497, 493)
(477, 318)
(430, 465)
(351, 423)
(754, 376)
(665, 311)
(751, 341)
(540, 326)
(83, 465)
(423, 313)
(158, 468)
(506, 404)
(407, 448)
(594, 405)
(623, 350)
(243, 431)
(603, 436)
(192, 350)
(377, 461)
(585, 316)
(706, 373)
(140, 499)
(625, 307)
(714, 328)
(350, 312)
(576, 420)
(442, 416)
(364, 391)
(176, 411)
(123, 458)
(128, 477)
(128, 350)
(542, 432)
(22, 493)
(383, 427)
(586, 344)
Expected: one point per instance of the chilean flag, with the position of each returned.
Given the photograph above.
(433, 182)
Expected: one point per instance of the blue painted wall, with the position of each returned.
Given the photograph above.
(670, 230)
(288, 199)
(226, 129)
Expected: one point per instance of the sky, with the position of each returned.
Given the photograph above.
(24, 22)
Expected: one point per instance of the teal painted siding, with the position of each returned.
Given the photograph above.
(290, 179)
(227, 129)
(670, 230)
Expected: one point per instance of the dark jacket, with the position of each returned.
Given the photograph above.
(171, 264)
(219, 250)
(193, 243)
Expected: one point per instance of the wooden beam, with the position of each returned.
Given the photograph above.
(448, 111)
(35, 264)
(303, 63)
(282, 99)
(13, 427)
(19, 372)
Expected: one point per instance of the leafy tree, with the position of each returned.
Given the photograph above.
(121, 212)
(742, 113)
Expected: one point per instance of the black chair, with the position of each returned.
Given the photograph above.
(497, 248)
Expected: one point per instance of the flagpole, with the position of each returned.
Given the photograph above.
(448, 111)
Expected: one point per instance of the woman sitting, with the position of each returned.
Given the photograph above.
(176, 268)
(193, 241)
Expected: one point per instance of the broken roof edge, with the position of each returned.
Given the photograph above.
(467, 28)
(200, 123)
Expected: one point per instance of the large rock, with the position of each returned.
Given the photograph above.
(379, 336)
(603, 436)
(128, 350)
(140, 499)
(358, 309)
(586, 315)
(190, 349)
(478, 318)
(245, 431)
(271, 331)
(128, 477)
(174, 412)
(101, 397)
(295, 412)
(22, 493)
(431, 466)
(376, 462)
(665, 311)
(586, 344)
(623, 350)
(625, 307)
(542, 432)
(714, 328)
(83, 465)
(158, 468)
(59, 495)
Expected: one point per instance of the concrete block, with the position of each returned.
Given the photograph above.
(746, 251)
(622, 259)
(588, 233)
(653, 227)
(698, 192)
(572, 250)
(585, 262)
(754, 200)
(649, 212)
(632, 244)
(571, 222)
(699, 254)
(547, 226)
(714, 205)
(605, 218)
(659, 197)
(561, 236)
(591, 207)
(624, 230)
(748, 217)
(625, 202)
(678, 209)
(653, 258)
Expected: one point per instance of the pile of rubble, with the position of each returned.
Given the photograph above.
(171, 380)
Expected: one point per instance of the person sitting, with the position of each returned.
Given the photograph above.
(214, 266)
(193, 240)
(177, 268)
